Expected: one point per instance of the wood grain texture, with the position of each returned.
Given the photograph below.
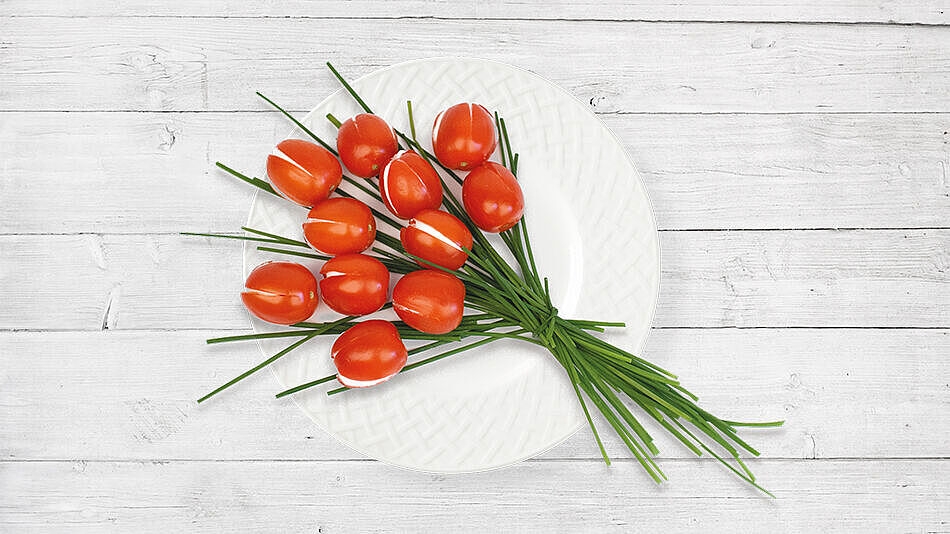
(533, 496)
(112, 112)
(131, 396)
(894, 278)
(789, 171)
(216, 64)
(915, 11)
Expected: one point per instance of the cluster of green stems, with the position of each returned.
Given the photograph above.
(514, 302)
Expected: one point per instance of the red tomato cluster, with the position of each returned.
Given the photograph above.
(429, 300)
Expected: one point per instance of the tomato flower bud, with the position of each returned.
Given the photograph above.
(464, 136)
(281, 292)
(340, 226)
(408, 185)
(303, 172)
(430, 301)
(492, 197)
(354, 284)
(437, 237)
(368, 353)
(365, 144)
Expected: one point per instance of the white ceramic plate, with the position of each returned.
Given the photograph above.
(594, 237)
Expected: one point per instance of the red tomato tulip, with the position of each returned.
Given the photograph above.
(408, 185)
(368, 353)
(340, 226)
(464, 136)
(303, 172)
(430, 301)
(492, 197)
(354, 284)
(437, 237)
(281, 292)
(366, 143)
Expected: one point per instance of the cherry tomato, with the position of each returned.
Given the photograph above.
(366, 143)
(340, 226)
(492, 197)
(438, 237)
(354, 284)
(368, 353)
(464, 136)
(281, 292)
(304, 172)
(430, 301)
(408, 185)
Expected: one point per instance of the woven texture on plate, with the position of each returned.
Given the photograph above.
(595, 238)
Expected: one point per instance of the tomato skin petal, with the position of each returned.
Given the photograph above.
(365, 144)
(354, 284)
(281, 293)
(409, 184)
(430, 301)
(370, 351)
(464, 136)
(438, 237)
(312, 173)
(340, 226)
(492, 197)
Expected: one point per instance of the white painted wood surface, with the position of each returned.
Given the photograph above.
(177, 64)
(904, 12)
(536, 496)
(800, 178)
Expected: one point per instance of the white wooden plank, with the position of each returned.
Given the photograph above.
(822, 278)
(822, 496)
(709, 279)
(915, 11)
(216, 64)
(127, 395)
(152, 172)
(131, 396)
